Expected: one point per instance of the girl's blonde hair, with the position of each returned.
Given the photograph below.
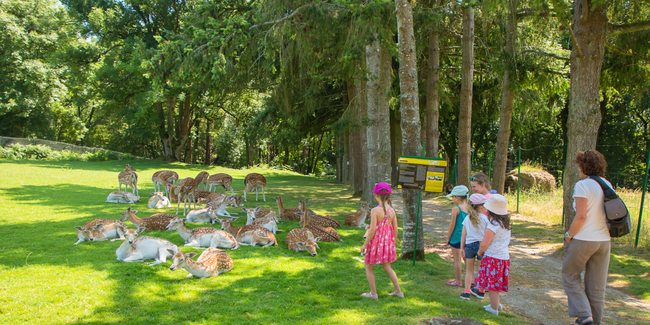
(471, 212)
(384, 198)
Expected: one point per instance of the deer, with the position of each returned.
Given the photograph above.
(204, 196)
(185, 191)
(358, 219)
(158, 221)
(326, 234)
(144, 248)
(203, 215)
(221, 179)
(269, 221)
(286, 214)
(249, 234)
(316, 219)
(202, 179)
(301, 239)
(254, 181)
(212, 262)
(122, 197)
(158, 200)
(204, 236)
(129, 178)
(219, 208)
(163, 177)
(100, 230)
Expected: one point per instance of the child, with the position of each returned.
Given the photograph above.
(458, 214)
(379, 246)
(481, 184)
(473, 232)
(494, 271)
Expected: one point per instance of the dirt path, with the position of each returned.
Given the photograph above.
(535, 281)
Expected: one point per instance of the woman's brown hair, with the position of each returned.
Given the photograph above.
(481, 179)
(591, 162)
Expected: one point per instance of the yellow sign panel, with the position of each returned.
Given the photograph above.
(422, 174)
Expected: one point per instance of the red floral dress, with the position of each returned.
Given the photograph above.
(381, 248)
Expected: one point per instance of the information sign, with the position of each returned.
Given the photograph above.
(422, 174)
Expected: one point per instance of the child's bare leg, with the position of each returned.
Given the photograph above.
(458, 266)
(393, 277)
(469, 273)
(494, 299)
(370, 274)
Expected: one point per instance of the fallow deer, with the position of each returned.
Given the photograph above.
(203, 236)
(158, 200)
(249, 235)
(129, 178)
(221, 179)
(358, 219)
(185, 191)
(254, 181)
(202, 179)
(316, 219)
(145, 248)
(163, 177)
(203, 215)
(158, 221)
(100, 230)
(122, 197)
(301, 239)
(219, 208)
(204, 196)
(326, 234)
(235, 201)
(286, 214)
(212, 262)
(269, 221)
(212, 197)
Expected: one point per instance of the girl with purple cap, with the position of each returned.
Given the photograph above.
(473, 232)
(379, 246)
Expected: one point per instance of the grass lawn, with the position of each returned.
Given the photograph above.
(45, 279)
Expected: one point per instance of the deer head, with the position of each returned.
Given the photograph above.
(128, 212)
(178, 259)
(132, 233)
(175, 223)
(90, 232)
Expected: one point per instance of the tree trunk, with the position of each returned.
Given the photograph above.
(356, 161)
(171, 107)
(466, 91)
(208, 144)
(590, 29)
(164, 136)
(383, 125)
(373, 65)
(432, 115)
(395, 144)
(507, 100)
(410, 123)
(363, 138)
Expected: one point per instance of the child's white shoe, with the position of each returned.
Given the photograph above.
(489, 309)
(500, 307)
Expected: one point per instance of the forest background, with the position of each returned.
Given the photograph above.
(339, 88)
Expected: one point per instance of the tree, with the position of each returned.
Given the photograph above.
(432, 114)
(466, 93)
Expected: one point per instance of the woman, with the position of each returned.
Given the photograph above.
(587, 243)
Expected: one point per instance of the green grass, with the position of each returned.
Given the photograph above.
(45, 279)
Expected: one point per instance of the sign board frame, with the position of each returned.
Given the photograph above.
(422, 174)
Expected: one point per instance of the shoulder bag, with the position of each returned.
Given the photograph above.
(618, 218)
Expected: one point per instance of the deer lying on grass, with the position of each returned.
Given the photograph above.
(325, 234)
(144, 248)
(158, 221)
(158, 200)
(286, 214)
(316, 219)
(204, 196)
(203, 215)
(122, 197)
(163, 178)
(129, 178)
(212, 262)
(219, 208)
(269, 221)
(250, 234)
(100, 230)
(204, 236)
(301, 239)
(254, 181)
(358, 219)
(221, 179)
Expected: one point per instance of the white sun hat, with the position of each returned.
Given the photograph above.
(497, 204)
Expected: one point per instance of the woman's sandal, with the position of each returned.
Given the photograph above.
(454, 283)
(369, 295)
(583, 321)
(395, 294)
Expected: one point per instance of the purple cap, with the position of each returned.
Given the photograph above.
(382, 188)
(477, 199)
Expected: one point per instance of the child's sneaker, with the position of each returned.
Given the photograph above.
(500, 307)
(489, 309)
(465, 295)
(477, 293)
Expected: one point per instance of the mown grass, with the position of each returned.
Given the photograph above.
(45, 279)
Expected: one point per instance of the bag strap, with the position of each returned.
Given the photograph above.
(608, 191)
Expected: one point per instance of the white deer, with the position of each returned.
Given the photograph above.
(144, 248)
(204, 236)
(100, 230)
(122, 197)
(158, 200)
(249, 235)
(219, 207)
(212, 262)
(203, 215)
(269, 221)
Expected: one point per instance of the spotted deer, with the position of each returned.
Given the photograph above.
(185, 191)
(212, 262)
(254, 181)
(204, 196)
(219, 208)
(203, 215)
(210, 198)
(301, 239)
(100, 230)
(249, 234)
(286, 214)
(326, 234)
(221, 179)
(358, 219)
(158, 221)
(144, 248)
(316, 219)
(269, 221)
(158, 200)
(202, 179)
(122, 197)
(129, 178)
(204, 236)
(162, 178)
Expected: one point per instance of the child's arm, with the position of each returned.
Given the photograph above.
(395, 230)
(485, 243)
(371, 231)
(454, 213)
(462, 243)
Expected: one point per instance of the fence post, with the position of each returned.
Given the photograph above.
(645, 187)
(518, 178)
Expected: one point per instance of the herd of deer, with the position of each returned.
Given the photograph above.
(259, 230)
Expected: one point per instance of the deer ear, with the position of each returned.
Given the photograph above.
(79, 228)
(258, 209)
(128, 209)
(244, 209)
(234, 219)
(190, 255)
(152, 193)
(300, 244)
(99, 225)
(307, 201)
(317, 239)
(134, 211)
(140, 230)
(171, 252)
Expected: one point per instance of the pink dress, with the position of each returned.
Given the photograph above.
(381, 248)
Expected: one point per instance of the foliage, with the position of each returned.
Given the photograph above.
(43, 152)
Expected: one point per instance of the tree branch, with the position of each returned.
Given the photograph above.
(546, 70)
(555, 56)
(628, 53)
(614, 29)
(273, 22)
(575, 41)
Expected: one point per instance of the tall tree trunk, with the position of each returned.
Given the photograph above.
(466, 93)
(383, 127)
(409, 109)
(395, 144)
(590, 29)
(164, 136)
(507, 100)
(208, 143)
(432, 115)
(363, 138)
(356, 157)
(373, 65)
(171, 107)
(345, 174)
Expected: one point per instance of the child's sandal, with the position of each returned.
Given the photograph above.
(369, 295)
(395, 294)
(454, 283)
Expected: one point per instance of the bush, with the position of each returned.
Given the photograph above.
(42, 152)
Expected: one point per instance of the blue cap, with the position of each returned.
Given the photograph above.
(460, 190)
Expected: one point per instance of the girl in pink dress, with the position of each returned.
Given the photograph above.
(380, 241)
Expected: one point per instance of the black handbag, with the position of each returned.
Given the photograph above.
(618, 218)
